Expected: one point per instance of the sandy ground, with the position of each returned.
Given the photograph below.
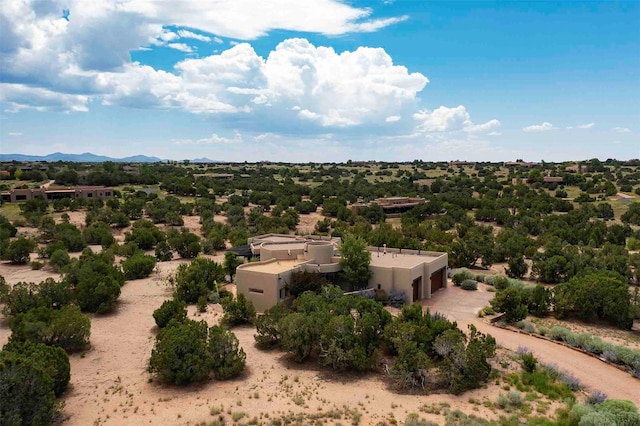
(307, 224)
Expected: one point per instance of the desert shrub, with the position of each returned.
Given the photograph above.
(53, 360)
(59, 260)
(349, 341)
(170, 310)
(460, 276)
(99, 233)
(596, 295)
(95, 280)
(540, 301)
(609, 412)
(469, 285)
(414, 325)
(467, 367)
(238, 311)
(180, 354)
(27, 395)
(501, 283)
(267, 326)
(410, 366)
(300, 335)
(227, 358)
(381, 296)
(558, 333)
(128, 249)
(189, 352)
(163, 252)
(596, 397)
(138, 266)
(68, 327)
(413, 419)
(19, 251)
(202, 304)
(23, 297)
(199, 278)
(510, 301)
(186, 244)
(70, 236)
(510, 401)
(397, 299)
(36, 266)
(529, 362)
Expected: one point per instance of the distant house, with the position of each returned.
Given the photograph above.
(418, 274)
(391, 204)
(553, 179)
(575, 168)
(53, 193)
(222, 176)
(462, 163)
(520, 164)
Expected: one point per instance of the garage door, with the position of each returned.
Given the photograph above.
(436, 280)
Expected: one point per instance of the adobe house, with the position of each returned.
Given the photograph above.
(416, 273)
(55, 193)
(391, 205)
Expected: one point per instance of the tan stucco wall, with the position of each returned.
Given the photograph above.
(247, 279)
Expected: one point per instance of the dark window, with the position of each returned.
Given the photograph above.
(21, 197)
(89, 195)
(256, 290)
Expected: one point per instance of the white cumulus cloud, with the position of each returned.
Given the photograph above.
(586, 126)
(194, 36)
(214, 139)
(621, 130)
(445, 119)
(543, 127)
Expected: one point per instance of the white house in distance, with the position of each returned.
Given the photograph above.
(416, 273)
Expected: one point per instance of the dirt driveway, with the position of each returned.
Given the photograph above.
(463, 306)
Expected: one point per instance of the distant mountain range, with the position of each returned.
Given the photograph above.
(88, 157)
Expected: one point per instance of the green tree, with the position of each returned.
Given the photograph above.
(227, 357)
(27, 395)
(511, 302)
(468, 367)
(238, 311)
(53, 360)
(68, 327)
(199, 278)
(268, 326)
(19, 251)
(300, 335)
(138, 266)
(355, 260)
(180, 355)
(174, 309)
(231, 263)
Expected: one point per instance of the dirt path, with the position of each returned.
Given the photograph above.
(463, 306)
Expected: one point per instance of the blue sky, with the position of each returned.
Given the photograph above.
(322, 80)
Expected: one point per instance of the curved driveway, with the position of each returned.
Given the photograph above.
(463, 306)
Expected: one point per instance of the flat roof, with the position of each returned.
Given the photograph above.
(274, 239)
(282, 246)
(397, 260)
(273, 267)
